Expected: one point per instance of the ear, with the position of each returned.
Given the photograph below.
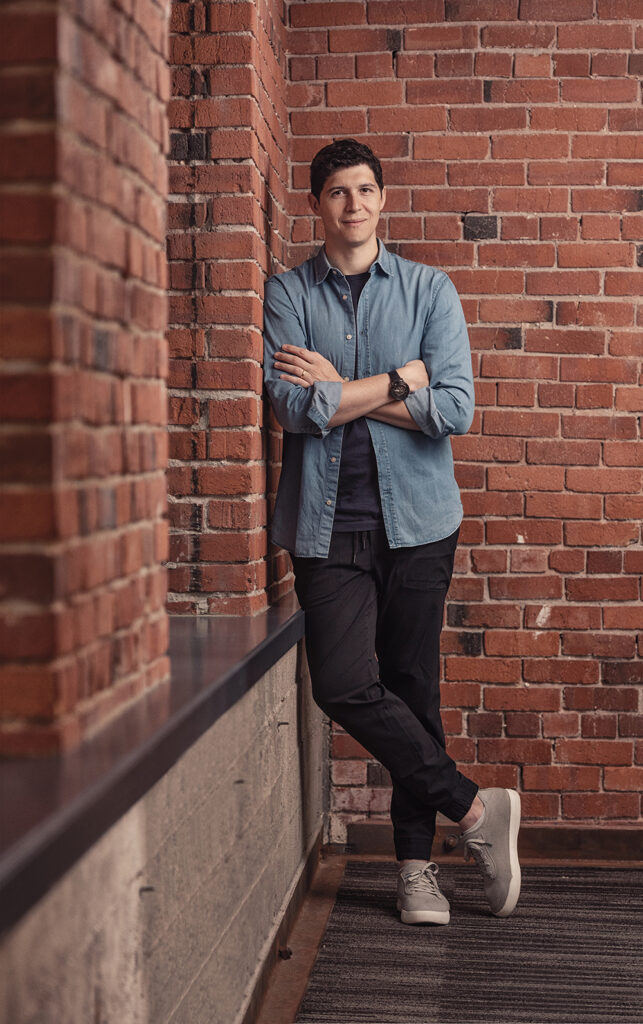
(383, 197)
(313, 202)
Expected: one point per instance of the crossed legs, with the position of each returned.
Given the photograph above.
(373, 621)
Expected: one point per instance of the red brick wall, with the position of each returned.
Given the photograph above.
(83, 441)
(228, 229)
(508, 136)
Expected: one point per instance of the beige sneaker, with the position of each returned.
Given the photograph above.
(493, 843)
(418, 894)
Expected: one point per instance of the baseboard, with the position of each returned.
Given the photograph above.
(620, 844)
(278, 946)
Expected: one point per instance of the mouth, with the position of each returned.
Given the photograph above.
(352, 223)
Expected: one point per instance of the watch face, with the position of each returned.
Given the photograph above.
(399, 389)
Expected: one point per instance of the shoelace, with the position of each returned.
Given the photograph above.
(423, 880)
(476, 848)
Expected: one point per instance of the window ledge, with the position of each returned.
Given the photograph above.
(55, 808)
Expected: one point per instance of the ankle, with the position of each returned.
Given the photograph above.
(412, 860)
(473, 815)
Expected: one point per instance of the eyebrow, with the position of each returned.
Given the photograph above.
(363, 184)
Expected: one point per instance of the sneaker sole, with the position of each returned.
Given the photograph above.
(424, 916)
(514, 886)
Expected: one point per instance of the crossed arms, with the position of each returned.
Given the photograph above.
(368, 396)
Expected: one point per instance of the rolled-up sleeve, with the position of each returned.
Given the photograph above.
(446, 406)
(299, 410)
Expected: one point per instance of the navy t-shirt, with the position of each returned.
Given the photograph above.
(358, 495)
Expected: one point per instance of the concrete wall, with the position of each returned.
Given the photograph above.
(170, 915)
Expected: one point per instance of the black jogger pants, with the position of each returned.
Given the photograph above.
(373, 622)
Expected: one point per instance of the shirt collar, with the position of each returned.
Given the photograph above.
(322, 267)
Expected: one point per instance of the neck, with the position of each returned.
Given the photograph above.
(353, 261)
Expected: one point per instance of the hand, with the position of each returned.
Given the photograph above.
(415, 374)
(300, 366)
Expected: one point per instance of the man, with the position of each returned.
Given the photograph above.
(368, 368)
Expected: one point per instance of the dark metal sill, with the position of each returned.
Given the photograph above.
(54, 809)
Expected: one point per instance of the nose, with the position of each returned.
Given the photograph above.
(352, 200)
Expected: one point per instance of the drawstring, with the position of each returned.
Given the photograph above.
(359, 543)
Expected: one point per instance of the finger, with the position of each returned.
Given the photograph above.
(301, 381)
(300, 353)
(290, 360)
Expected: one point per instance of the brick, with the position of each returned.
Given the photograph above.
(605, 534)
(623, 283)
(605, 752)
(572, 65)
(394, 12)
(567, 561)
(572, 172)
(587, 313)
(560, 723)
(374, 65)
(516, 751)
(519, 724)
(525, 478)
(452, 91)
(563, 670)
(565, 506)
(630, 725)
(569, 118)
(599, 200)
(566, 616)
(514, 228)
(561, 282)
(527, 90)
(528, 560)
(540, 805)
(523, 532)
(618, 481)
(594, 396)
(601, 805)
(566, 341)
(317, 15)
(611, 427)
(624, 779)
(623, 588)
(556, 395)
(498, 670)
(583, 90)
(628, 617)
(522, 200)
(357, 40)
(487, 119)
(456, 200)
(605, 645)
(493, 65)
(598, 726)
(550, 10)
(481, 10)
(595, 37)
(560, 778)
(525, 643)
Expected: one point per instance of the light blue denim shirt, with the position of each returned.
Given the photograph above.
(406, 311)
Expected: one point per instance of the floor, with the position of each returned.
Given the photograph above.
(572, 953)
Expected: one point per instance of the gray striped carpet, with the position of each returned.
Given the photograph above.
(572, 953)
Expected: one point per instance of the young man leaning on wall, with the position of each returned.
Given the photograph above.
(368, 368)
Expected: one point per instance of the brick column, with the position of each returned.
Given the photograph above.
(228, 230)
(83, 441)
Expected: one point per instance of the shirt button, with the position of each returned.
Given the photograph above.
(344, 297)
(348, 337)
(333, 459)
(346, 378)
(329, 502)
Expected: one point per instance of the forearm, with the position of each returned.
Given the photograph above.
(361, 398)
(396, 414)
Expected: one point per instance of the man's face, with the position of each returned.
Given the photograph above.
(349, 206)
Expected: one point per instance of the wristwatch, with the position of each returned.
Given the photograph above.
(398, 388)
